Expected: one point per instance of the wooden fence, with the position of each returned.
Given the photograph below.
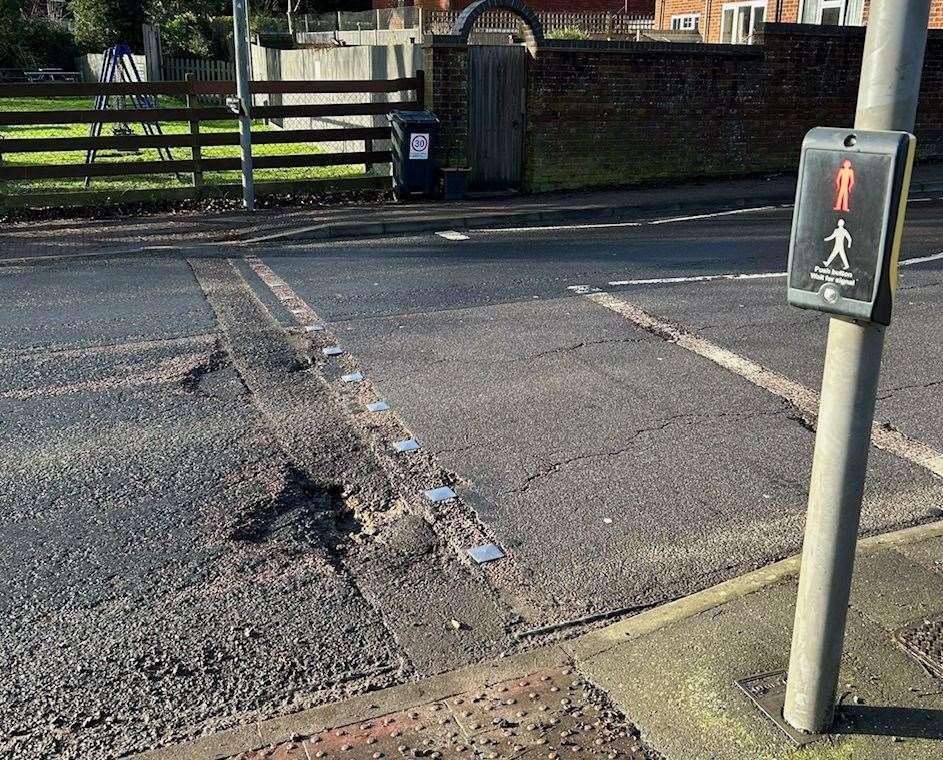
(193, 142)
(593, 23)
(203, 70)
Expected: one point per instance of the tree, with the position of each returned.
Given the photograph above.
(160, 11)
(99, 24)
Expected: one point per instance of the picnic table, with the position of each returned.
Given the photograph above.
(53, 75)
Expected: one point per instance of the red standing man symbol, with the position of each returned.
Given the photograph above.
(844, 184)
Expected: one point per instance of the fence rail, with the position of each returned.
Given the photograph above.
(589, 22)
(440, 22)
(411, 97)
(203, 70)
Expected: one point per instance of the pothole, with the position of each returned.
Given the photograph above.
(301, 514)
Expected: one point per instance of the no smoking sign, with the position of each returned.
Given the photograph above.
(419, 146)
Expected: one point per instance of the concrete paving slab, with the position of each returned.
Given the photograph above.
(891, 589)
(550, 713)
(509, 705)
(678, 683)
(928, 553)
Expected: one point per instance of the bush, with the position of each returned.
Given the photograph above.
(99, 24)
(188, 36)
(568, 33)
(48, 44)
(31, 43)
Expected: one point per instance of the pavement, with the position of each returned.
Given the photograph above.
(209, 527)
(163, 232)
(689, 673)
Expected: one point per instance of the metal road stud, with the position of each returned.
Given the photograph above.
(410, 444)
(353, 377)
(442, 493)
(486, 553)
(378, 406)
(332, 351)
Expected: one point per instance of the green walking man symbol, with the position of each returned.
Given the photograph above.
(842, 238)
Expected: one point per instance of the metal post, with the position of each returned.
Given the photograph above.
(196, 150)
(241, 40)
(887, 100)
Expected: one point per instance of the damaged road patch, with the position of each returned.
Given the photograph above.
(383, 531)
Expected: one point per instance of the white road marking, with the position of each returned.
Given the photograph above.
(652, 222)
(583, 289)
(803, 399)
(452, 235)
(552, 227)
(608, 225)
(700, 278)
(922, 259)
(695, 217)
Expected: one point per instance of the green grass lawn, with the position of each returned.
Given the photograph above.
(141, 182)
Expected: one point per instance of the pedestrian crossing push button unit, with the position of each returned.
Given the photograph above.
(849, 215)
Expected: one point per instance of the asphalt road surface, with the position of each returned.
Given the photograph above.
(205, 524)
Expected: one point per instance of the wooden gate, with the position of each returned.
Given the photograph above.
(497, 77)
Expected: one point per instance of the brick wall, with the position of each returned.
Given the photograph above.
(788, 10)
(603, 114)
(446, 67)
(936, 13)
(665, 9)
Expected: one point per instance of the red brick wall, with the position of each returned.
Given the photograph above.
(612, 114)
(665, 9)
(710, 11)
(936, 14)
(446, 68)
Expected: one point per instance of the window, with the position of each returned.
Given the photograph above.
(739, 21)
(833, 12)
(687, 22)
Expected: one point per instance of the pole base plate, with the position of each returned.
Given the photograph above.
(768, 692)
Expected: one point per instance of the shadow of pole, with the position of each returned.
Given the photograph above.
(910, 722)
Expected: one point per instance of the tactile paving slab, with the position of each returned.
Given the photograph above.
(924, 642)
(549, 715)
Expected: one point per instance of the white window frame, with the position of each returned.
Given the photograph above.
(842, 5)
(686, 22)
(751, 7)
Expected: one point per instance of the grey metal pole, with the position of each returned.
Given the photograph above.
(241, 45)
(887, 100)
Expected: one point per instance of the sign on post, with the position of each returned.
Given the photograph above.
(848, 219)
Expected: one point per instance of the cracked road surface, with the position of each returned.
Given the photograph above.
(205, 526)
